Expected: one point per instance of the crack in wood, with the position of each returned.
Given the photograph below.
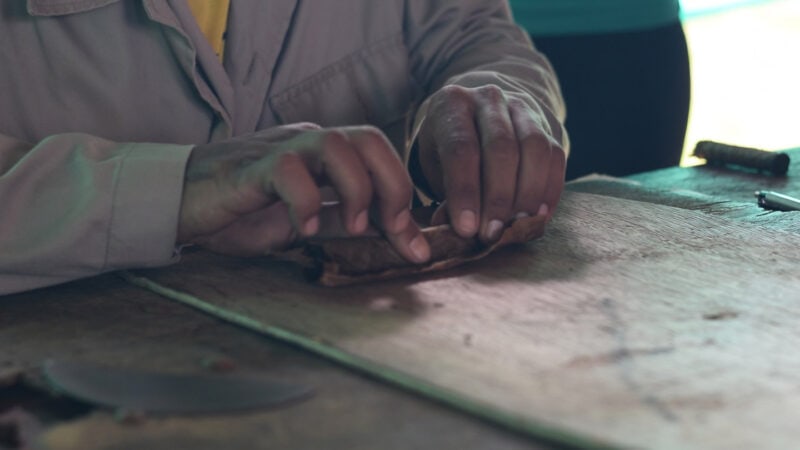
(616, 356)
(721, 315)
(627, 366)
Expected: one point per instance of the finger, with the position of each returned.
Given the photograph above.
(392, 186)
(290, 179)
(410, 243)
(534, 167)
(332, 226)
(343, 167)
(390, 181)
(457, 143)
(555, 180)
(500, 161)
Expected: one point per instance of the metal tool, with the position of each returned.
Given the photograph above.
(776, 201)
(153, 392)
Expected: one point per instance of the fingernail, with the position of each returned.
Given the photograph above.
(543, 210)
(467, 222)
(361, 222)
(419, 247)
(311, 226)
(494, 229)
(521, 215)
(401, 221)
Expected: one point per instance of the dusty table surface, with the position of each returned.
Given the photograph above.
(106, 320)
(626, 316)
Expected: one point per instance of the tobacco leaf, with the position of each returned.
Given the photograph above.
(338, 262)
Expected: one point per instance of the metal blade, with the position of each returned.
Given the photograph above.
(152, 392)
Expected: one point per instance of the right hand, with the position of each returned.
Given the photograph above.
(261, 192)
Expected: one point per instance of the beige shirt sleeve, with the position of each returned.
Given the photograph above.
(75, 205)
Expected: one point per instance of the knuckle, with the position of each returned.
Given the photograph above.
(370, 130)
(285, 162)
(306, 126)
(498, 121)
(367, 138)
(373, 138)
(452, 96)
(334, 139)
(492, 93)
(333, 147)
(517, 103)
(454, 91)
(536, 142)
(461, 148)
(503, 147)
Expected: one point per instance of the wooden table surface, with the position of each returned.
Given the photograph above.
(107, 320)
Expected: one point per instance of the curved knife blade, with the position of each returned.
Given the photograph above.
(154, 392)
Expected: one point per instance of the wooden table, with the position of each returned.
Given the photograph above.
(106, 319)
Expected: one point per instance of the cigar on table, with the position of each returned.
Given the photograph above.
(717, 153)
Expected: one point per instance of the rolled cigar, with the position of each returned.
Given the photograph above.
(718, 153)
(344, 261)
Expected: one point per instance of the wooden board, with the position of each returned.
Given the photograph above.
(105, 320)
(632, 323)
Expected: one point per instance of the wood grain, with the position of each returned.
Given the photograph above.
(105, 320)
(639, 324)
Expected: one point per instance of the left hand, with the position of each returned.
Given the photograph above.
(490, 155)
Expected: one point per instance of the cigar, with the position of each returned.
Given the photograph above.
(718, 153)
(343, 261)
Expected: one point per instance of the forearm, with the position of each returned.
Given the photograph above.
(77, 205)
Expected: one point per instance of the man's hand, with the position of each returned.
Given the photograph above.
(490, 155)
(257, 193)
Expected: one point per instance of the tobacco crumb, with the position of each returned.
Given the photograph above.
(128, 417)
(219, 364)
(382, 304)
(721, 315)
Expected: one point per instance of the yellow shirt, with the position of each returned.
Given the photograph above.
(212, 17)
